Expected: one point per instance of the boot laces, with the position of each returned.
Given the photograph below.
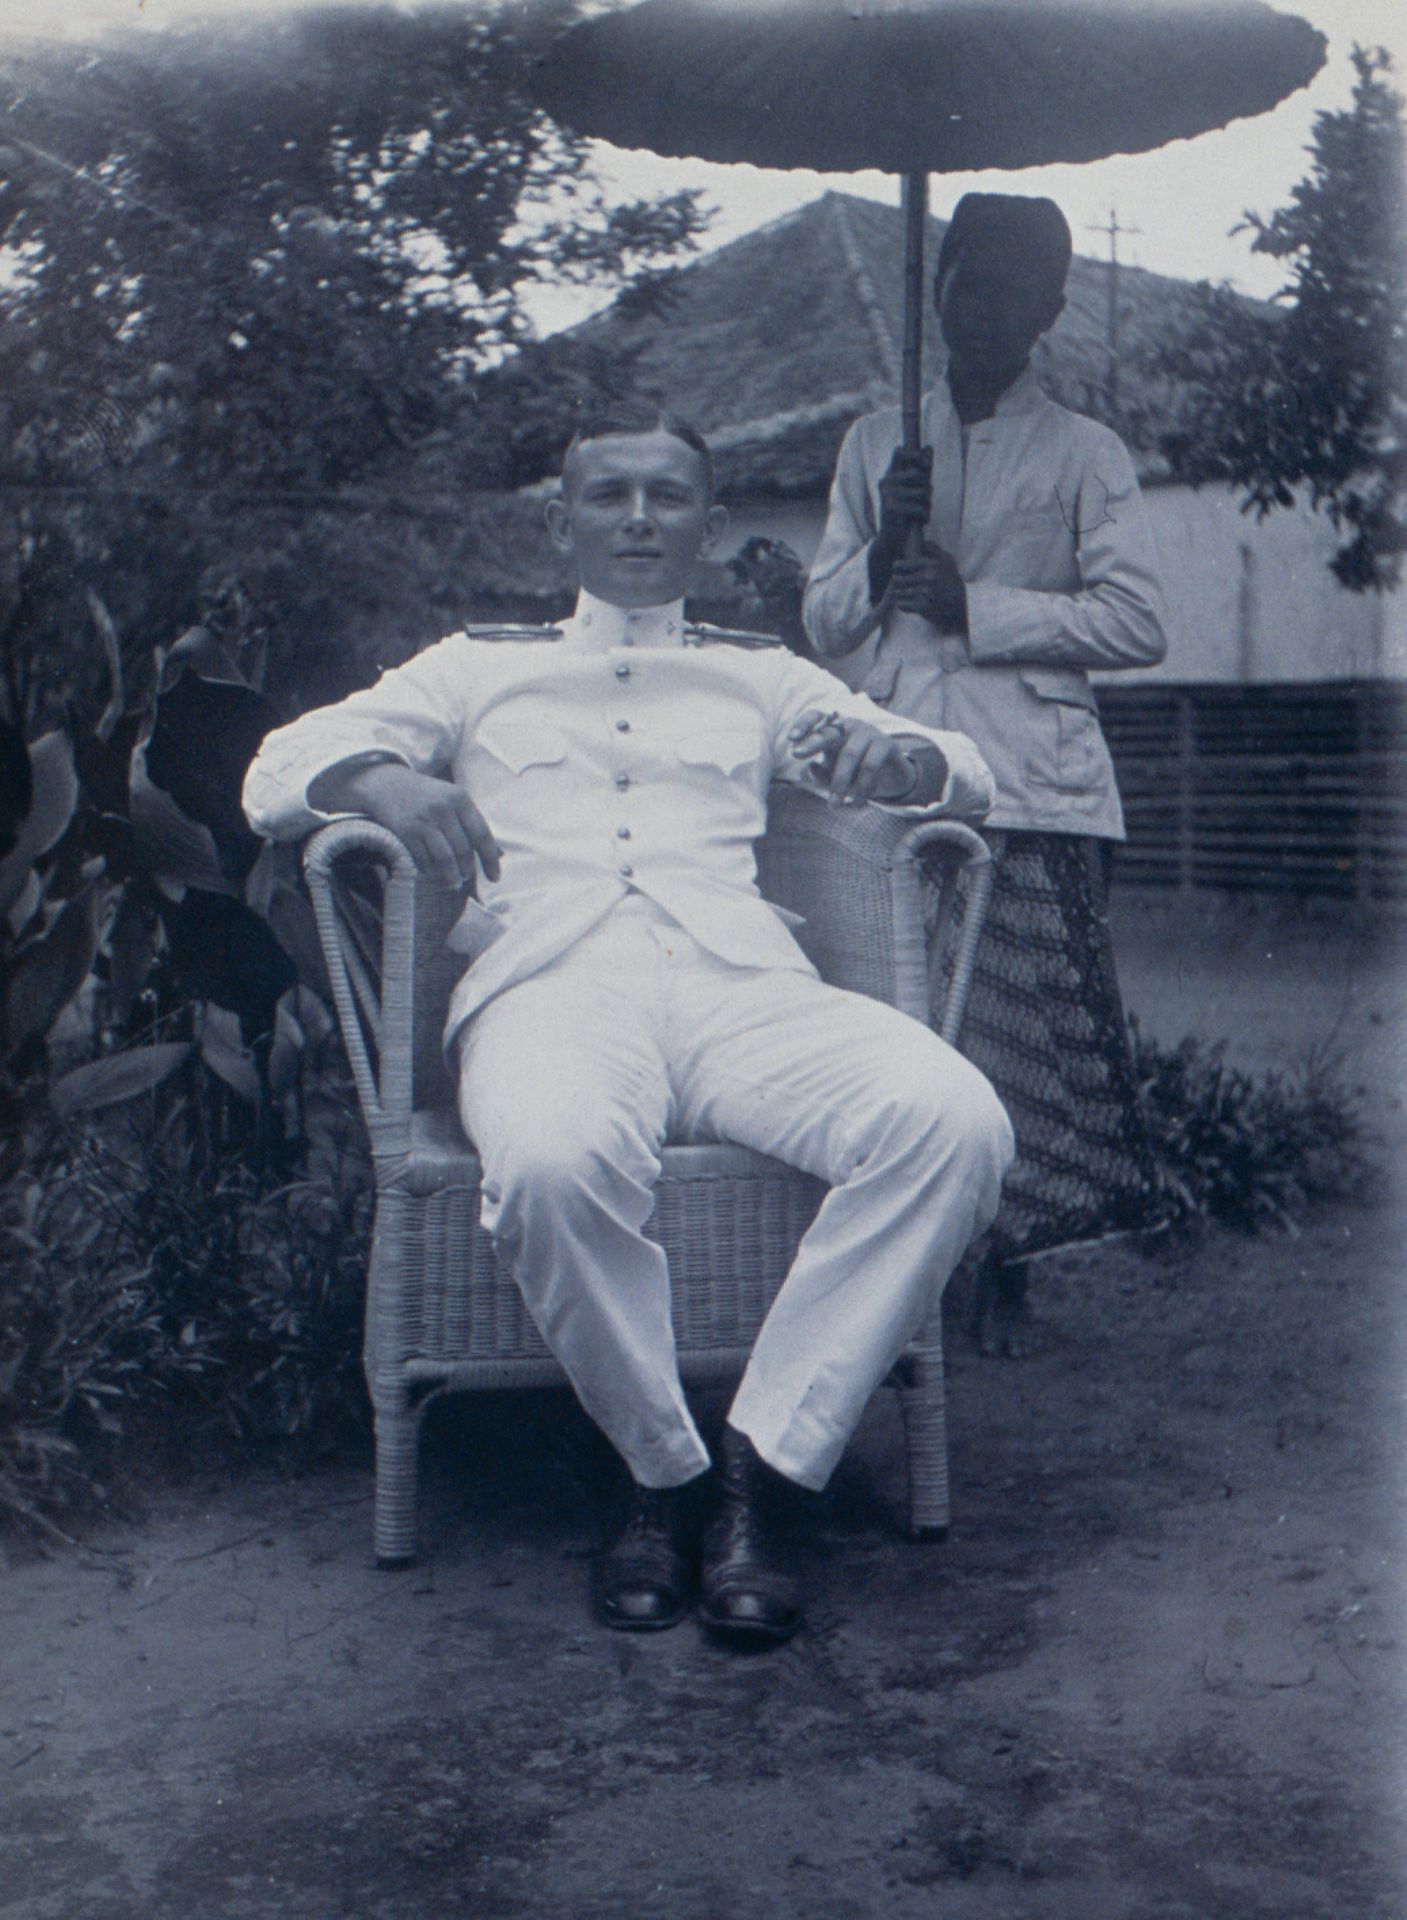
(649, 1517)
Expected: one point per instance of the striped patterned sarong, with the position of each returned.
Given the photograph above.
(1045, 1023)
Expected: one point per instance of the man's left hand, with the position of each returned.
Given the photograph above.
(931, 586)
(853, 761)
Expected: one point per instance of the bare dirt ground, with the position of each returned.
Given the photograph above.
(1156, 1673)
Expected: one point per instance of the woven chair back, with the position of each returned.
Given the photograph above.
(848, 930)
(437, 968)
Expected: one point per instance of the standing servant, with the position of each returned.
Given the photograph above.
(973, 584)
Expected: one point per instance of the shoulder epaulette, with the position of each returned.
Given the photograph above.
(697, 634)
(499, 631)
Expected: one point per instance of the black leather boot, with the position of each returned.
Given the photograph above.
(646, 1578)
(749, 1590)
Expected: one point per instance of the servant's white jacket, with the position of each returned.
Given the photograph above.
(1041, 511)
(631, 752)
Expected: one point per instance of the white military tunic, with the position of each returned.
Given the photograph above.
(642, 987)
(617, 758)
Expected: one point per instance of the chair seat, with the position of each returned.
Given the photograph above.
(732, 1220)
(441, 1157)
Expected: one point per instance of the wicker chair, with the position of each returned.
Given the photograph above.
(440, 1313)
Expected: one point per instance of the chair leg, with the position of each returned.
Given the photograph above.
(397, 1424)
(922, 1403)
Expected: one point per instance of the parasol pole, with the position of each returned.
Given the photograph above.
(915, 211)
(914, 202)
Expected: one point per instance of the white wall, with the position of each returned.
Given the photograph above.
(1246, 599)
(1254, 599)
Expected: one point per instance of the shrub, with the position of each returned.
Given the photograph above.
(76, 1333)
(178, 1229)
(140, 1287)
(267, 1287)
(1251, 1152)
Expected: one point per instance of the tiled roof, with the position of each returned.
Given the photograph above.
(775, 342)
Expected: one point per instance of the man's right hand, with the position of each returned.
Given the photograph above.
(437, 823)
(905, 503)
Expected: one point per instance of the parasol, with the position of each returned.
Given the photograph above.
(921, 86)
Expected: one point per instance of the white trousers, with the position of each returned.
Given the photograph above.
(570, 1082)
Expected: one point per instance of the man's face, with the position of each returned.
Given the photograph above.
(992, 309)
(635, 515)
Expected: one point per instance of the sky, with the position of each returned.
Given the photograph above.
(1178, 205)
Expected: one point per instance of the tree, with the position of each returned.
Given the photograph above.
(256, 270)
(1313, 394)
(316, 223)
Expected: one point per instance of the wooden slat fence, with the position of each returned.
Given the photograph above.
(1285, 788)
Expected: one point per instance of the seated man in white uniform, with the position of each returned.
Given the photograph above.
(609, 781)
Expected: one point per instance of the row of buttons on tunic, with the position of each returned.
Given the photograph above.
(634, 618)
(625, 870)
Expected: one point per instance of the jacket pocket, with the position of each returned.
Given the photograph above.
(1066, 748)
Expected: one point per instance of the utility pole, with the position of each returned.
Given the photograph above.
(1111, 383)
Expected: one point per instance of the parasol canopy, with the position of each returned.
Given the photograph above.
(932, 86)
(921, 86)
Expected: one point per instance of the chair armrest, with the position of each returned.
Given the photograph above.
(863, 878)
(955, 849)
(372, 977)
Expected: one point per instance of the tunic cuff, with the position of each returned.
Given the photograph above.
(348, 762)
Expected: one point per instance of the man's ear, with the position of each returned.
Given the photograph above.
(558, 523)
(715, 526)
(1053, 312)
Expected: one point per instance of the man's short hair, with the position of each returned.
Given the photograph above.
(640, 416)
(1027, 225)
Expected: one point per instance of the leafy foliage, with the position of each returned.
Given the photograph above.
(132, 910)
(1315, 395)
(255, 279)
(1249, 1152)
(182, 1190)
(138, 1288)
(290, 242)
(770, 582)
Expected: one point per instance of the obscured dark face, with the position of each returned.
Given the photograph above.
(992, 308)
(635, 515)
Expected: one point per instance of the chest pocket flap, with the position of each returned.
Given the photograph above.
(518, 746)
(1061, 684)
(712, 745)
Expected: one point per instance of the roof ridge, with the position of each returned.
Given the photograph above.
(595, 322)
(754, 233)
(876, 319)
(771, 426)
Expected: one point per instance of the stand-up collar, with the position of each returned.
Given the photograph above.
(1024, 391)
(596, 625)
